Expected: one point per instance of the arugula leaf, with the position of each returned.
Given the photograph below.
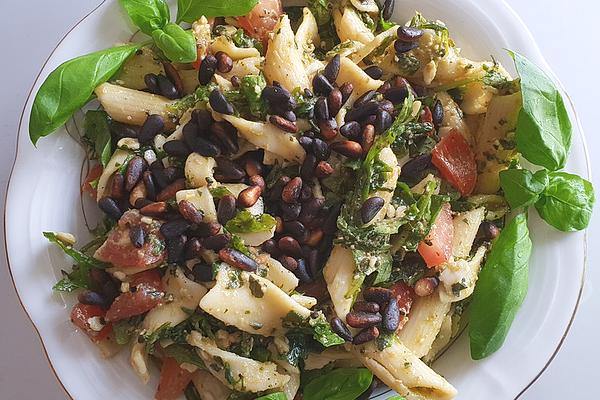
(245, 222)
(339, 384)
(273, 396)
(521, 187)
(70, 86)
(177, 44)
(150, 339)
(501, 289)
(543, 133)
(251, 87)
(191, 10)
(124, 329)
(219, 192)
(80, 258)
(148, 15)
(184, 353)
(96, 130)
(567, 202)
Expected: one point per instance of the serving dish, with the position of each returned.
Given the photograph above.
(44, 194)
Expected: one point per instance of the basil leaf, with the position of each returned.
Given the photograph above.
(176, 43)
(148, 15)
(191, 10)
(521, 187)
(251, 87)
(501, 289)
(273, 396)
(245, 222)
(543, 132)
(183, 353)
(339, 384)
(70, 86)
(97, 131)
(80, 258)
(567, 202)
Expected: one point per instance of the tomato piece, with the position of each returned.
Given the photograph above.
(81, 314)
(262, 19)
(404, 294)
(455, 160)
(146, 292)
(437, 246)
(120, 252)
(92, 175)
(173, 380)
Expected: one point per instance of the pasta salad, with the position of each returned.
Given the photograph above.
(304, 202)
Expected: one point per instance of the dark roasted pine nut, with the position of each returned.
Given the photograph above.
(227, 171)
(366, 306)
(347, 148)
(311, 209)
(339, 327)
(301, 272)
(383, 121)
(170, 190)
(335, 102)
(296, 229)
(235, 81)
(257, 180)
(190, 133)
(205, 148)
(306, 193)
(306, 143)
(360, 319)
(404, 47)
(288, 262)
(396, 94)
(290, 246)
(176, 148)
(216, 242)
(174, 228)
(328, 129)
(283, 124)
(332, 69)
(409, 34)
(388, 11)
(308, 93)
(110, 207)
(208, 66)
(314, 261)
(323, 170)
(99, 276)
(351, 130)
(153, 125)
(378, 295)
(290, 212)
(238, 259)
(347, 88)
(279, 97)
(175, 249)
(330, 223)
(206, 229)
(321, 109)
(202, 118)
(270, 246)
(387, 105)
(249, 196)
(391, 316)
(365, 336)
(370, 120)
(291, 192)
(290, 116)
(110, 291)
(321, 85)
(117, 186)
(487, 231)
(385, 87)
(151, 81)
(136, 235)
(202, 272)
(154, 209)
(141, 203)
(92, 298)
(150, 186)
(275, 193)
(314, 238)
(224, 62)
(226, 209)
(415, 168)
(425, 286)
(368, 138)
(190, 212)
(365, 98)
(253, 167)
(374, 72)
(173, 75)
(134, 172)
(167, 88)
(193, 249)
(362, 112)
(321, 149)
(308, 166)
(219, 103)
(437, 113)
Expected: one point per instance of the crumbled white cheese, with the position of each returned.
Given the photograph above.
(95, 323)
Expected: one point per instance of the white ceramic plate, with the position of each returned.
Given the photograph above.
(44, 195)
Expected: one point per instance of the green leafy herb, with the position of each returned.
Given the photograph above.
(521, 187)
(150, 339)
(219, 192)
(408, 63)
(251, 87)
(70, 86)
(184, 353)
(339, 384)
(543, 132)
(191, 10)
(240, 39)
(80, 258)
(442, 33)
(96, 131)
(297, 346)
(320, 9)
(148, 15)
(238, 244)
(567, 202)
(273, 396)
(304, 105)
(177, 44)
(316, 325)
(245, 222)
(125, 329)
(501, 289)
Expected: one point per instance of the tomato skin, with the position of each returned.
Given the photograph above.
(81, 313)
(405, 296)
(173, 380)
(437, 246)
(455, 160)
(147, 293)
(92, 175)
(262, 19)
